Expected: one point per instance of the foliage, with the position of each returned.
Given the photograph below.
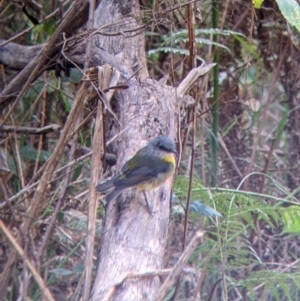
(291, 11)
(253, 247)
(180, 37)
(228, 252)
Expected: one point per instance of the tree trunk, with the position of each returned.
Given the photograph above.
(133, 240)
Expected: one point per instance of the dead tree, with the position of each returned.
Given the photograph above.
(133, 241)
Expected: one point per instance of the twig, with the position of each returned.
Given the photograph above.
(89, 41)
(222, 143)
(42, 113)
(54, 159)
(169, 282)
(36, 66)
(193, 75)
(129, 276)
(18, 159)
(87, 155)
(44, 290)
(33, 5)
(99, 92)
(32, 27)
(60, 199)
(23, 118)
(96, 170)
(29, 130)
(264, 115)
(193, 52)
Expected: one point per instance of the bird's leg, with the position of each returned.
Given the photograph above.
(147, 203)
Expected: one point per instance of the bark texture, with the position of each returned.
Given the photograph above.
(16, 57)
(133, 240)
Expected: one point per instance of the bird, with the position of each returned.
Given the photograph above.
(149, 168)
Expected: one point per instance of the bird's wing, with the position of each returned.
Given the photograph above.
(134, 177)
(105, 186)
(140, 169)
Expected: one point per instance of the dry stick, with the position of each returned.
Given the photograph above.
(193, 52)
(42, 117)
(4, 10)
(5, 275)
(184, 86)
(45, 292)
(98, 151)
(222, 143)
(76, 296)
(262, 122)
(26, 189)
(57, 153)
(148, 274)
(191, 78)
(84, 121)
(51, 164)
(201, 278)
(89, 41)
(261, 188)
(73, 133)
(33, 69)
(171, 279)
(114, 288)
(33, 5)
(9, 127)
(30, 130)
(60, 199)
(99, 92)
(267, 165)
(56, 127)
(32, 27)
(202, 132)
(18, 159)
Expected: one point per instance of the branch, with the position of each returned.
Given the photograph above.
(192, 77)
(33, 5)
(28, 130)
(75, 17)
(169, 282)
(131, 275)
(16, 56)
(39, 280)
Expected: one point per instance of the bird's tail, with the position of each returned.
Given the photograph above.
(103, 187)
(112, 195)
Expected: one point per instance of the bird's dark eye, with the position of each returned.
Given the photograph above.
(162, 147)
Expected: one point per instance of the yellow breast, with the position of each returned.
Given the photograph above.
(170, 158)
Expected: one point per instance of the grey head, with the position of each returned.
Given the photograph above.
(163, 143)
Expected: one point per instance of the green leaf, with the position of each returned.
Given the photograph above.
(291, 219)
(29, 153)
(202, 209)
(169, 49)
(61, 272)
(291, 11)
(257, 3)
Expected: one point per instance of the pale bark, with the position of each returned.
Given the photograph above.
(16, 57)
(133, 240)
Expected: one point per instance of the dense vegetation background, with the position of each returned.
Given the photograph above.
(239, 139)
